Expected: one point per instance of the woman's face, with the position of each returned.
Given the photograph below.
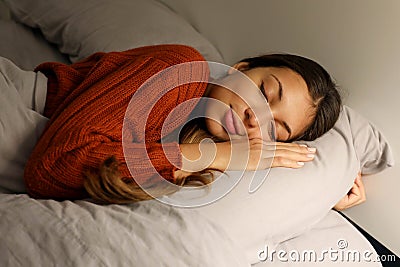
(285, 91)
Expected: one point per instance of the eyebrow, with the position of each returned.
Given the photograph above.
(280, 98)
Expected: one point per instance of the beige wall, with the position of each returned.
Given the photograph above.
(358, 41)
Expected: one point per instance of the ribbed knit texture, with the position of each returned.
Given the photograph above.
(86, 104)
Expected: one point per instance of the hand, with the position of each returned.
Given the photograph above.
(355, 196)
(256, 154)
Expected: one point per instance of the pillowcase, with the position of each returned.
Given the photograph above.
(26, 48)
(22, 101)
(81, 28)
(290, 201)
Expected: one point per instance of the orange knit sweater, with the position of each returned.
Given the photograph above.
(86, 104)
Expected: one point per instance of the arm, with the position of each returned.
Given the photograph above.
(254, 154)
(86, 128)
(58, 170)
(63, 79)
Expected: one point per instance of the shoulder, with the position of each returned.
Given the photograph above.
(169, 53)
(180, 52)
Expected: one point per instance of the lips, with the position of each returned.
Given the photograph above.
(230, 122)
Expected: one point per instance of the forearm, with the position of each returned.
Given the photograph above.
(197, 157)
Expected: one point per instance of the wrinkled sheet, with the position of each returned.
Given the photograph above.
(80, 233)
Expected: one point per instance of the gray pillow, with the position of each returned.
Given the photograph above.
(290, 201)
(81, 28)
(22, 101)
(26, 48)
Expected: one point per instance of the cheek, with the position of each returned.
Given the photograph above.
(216, 107)
(214, 112)
(235, 93)
(216, 129)
(222, 94)
(281, 134)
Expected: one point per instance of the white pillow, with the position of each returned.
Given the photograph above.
(292, 200)
(26, 48)
(81, 28)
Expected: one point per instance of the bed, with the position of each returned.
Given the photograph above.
(240, 229)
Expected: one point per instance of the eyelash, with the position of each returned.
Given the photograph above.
(262, 89)
(272, 132)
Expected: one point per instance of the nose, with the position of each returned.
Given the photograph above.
(260, 125)
(250, 118)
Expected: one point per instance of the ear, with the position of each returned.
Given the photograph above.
(239, 66)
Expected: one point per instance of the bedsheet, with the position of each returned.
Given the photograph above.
(50, 233)
(150, 233)
(333, 241)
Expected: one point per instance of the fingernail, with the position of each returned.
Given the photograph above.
(303, 145)
(312, 149)
(310, 155)
(300, 163)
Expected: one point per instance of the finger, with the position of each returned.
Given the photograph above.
(353, 198)
(343, 205)
(355, 195)
(296, 147)
(361, 187)
(339, 206)
(287, 163)
(353, 189)
(342, 202)
(294, 156)
(290, 146)
(358, 182)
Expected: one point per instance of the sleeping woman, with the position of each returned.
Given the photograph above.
(83, 150)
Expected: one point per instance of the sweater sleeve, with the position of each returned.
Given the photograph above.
(59, 173)
(62, 79)
(87, 126)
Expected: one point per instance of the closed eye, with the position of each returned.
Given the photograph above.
(272, 131)
(262, 89)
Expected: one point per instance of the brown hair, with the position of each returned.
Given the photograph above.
(323, 90)
(109, 186)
